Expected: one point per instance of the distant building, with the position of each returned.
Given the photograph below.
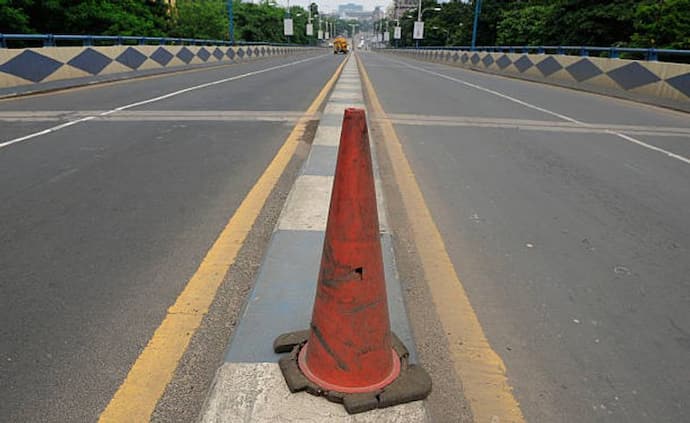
(402, 6)
(345, 9)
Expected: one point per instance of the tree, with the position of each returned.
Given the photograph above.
(663, 24)
(13, 17)
(204, 19)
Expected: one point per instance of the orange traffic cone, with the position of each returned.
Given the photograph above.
(349, 354)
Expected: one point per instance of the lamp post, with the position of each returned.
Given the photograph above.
(231, 24)
(420, 14)
(477, 11)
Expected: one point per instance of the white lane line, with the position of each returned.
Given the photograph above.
(151, 100)
(541, 109)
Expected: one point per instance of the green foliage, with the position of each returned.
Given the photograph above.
(202, 19)
(636, 23)
(525, 26)
(663, 24)
(13, 17)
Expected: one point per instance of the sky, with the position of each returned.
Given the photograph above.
(332, 5)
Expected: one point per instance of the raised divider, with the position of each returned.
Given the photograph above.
(249, 385)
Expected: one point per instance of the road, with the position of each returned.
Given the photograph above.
(565, 215)
(103, 222)
(567, 218)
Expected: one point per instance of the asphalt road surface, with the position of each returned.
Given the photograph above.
(567, 218)
(103, 222)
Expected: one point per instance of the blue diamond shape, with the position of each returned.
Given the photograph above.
(203, 54)
(90, 61)
(230, 53)
(523, 63)
(263, 51)
(681, 83)
(131, 58)
(549, 66)
(249, 52)
(488, 60)
(31, 65)
(464, 58)
(240, 52)
(256, 51)
(161, 56)
(218, 54)
(583, 70)
(475, 59)
(632, 75)
(185, 55)
(503, 62)
(456, 57)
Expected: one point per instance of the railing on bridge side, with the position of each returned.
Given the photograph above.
(649, 54)
(52, 40)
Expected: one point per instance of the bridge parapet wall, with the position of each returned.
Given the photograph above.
(661, 83)
(23, 70)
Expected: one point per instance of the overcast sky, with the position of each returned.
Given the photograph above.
(332, 5)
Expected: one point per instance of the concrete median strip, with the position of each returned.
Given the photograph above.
(249, 385)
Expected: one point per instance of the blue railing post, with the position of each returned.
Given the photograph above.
(652, 55)
(560, 50)
(48, 41)
(584, 52)
(119, 41)
(3, 44)
(614, 53)
(142, 41)
(541, 50)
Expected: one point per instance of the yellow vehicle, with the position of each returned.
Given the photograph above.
(340, 45)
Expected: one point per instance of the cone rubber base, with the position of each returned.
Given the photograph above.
(412, 384)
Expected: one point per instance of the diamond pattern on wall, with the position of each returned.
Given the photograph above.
(632, 75)
(90, 61)
(475, 59)
(488, 60)
(256, 51)
(503, 62)
(240, 52)
(218, 54)
(523, 63)
(549, 66)
(681, 83)
(230, 53)
(185, 55)
(31, 65)
(161, 56)
(583, 70)
(203, 54)
(465, 58)
(131, 58)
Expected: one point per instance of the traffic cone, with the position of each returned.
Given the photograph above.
(349, 354)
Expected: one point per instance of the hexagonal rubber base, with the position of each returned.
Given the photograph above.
(413, 383)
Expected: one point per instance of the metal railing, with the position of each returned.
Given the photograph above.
(52, 40)
(650, 54)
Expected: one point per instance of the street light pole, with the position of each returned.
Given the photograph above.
(477, 11)
(231, 24)
(420, 14)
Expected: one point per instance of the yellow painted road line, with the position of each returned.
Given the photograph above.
(153, 370)
(479, 367)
